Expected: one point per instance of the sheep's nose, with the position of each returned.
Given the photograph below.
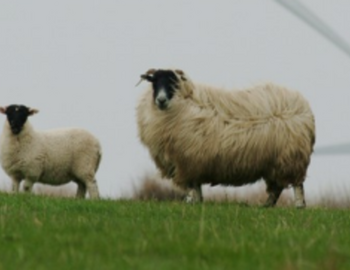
(161, 100)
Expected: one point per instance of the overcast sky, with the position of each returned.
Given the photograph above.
(78, 63)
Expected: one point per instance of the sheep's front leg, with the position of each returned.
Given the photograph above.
(194, 194)
(274, 192)
(28, 186)
(299, 196)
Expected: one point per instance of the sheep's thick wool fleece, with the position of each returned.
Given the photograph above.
(51, 157)
(209, 135)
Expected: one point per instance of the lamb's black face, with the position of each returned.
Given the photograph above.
(17, 116)
(164, 83)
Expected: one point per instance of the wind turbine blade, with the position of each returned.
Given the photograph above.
(339, 149)
(303, 13)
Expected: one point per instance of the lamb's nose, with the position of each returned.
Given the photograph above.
(16, 130)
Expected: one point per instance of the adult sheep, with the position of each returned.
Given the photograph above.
(198, 134)
(52, 157)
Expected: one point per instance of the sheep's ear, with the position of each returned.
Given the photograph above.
(148, 76)
(33, 111)
(181, 74)
(151, 71)
(3, 110)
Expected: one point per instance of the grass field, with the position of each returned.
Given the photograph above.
(39, 232)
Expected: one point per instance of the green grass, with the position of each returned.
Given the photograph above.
(58, 233)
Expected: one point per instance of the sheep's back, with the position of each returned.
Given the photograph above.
(258, 103)
(242, 131)
(224, 134)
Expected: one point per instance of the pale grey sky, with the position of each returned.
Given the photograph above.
(78, 63)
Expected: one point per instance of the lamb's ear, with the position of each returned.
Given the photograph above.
(3, 110)
(33, 111)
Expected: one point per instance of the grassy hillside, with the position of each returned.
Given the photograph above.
(60, 233)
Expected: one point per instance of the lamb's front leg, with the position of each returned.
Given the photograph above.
(15, 184)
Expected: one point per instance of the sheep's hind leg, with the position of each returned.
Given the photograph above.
(81, 191)
(299, 196)
(194, 194)
(274, 192)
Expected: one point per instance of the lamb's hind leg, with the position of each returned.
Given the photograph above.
(274, 191)
(28, 186)
(93, 189)
(299, 196)
(89, 182)
(81, 191)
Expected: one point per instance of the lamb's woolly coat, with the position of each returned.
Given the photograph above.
(52, 157)
(209, 135)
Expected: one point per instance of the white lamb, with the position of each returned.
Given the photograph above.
(198, 134)
(52, 157)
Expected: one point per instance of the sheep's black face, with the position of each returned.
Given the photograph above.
(164, 83)
(17, 116)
